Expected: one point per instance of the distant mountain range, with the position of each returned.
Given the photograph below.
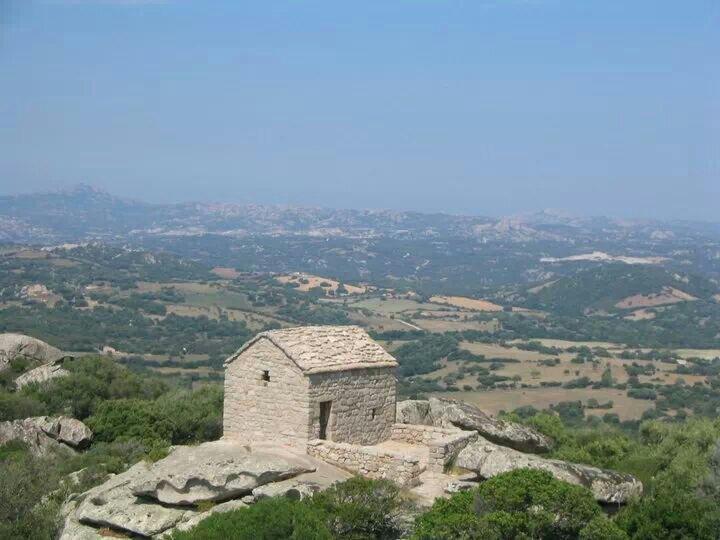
(85, 213)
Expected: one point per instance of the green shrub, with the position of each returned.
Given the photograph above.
(92, 380)
(361, 508)
(174, 418)
(601, 528)
(518, 504)
(14, 405)
(269, 519)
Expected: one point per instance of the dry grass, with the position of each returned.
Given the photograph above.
(709, 354)
(668, 295)
(449, 325)
(391, 305)
(565, 344)
(31, 254)
(640, 315)
(225, 273)
(466, 303)
(532, 372)
(494, 401)
(317, 281)
(539, 288)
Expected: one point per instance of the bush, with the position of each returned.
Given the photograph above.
(175, 418)
(268, 519)
(14, 405)
(355, 509)
(518, 504)
(92, 380)
(361, 508)
(601, 528)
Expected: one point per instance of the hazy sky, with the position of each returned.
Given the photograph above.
(483, 107)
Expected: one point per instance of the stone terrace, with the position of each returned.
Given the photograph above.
(410, 452)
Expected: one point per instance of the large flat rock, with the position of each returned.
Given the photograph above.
(488, 459)
(113, 505)
(214, 471)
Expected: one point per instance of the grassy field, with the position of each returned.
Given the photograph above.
(392, 305)
(494, 401)
(463, 302)
(305, 282)
(530, 368)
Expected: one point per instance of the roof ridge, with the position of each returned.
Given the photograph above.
(318, 348)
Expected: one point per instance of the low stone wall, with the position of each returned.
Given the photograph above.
(443, 443)
(369, 461)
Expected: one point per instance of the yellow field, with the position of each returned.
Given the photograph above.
(449, 325)
(391, 305)
(564, 344)
(317, 281)
(531, 372)
(225, 273)
(494, 401)
(466, 303)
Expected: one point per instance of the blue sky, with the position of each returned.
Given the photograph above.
(483, 107)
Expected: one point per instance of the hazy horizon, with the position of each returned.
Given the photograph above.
(488, 108)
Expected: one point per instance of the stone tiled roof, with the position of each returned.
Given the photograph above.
(318, 349)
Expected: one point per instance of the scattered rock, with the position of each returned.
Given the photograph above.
(213, 471)
(488, 460)
(44, 433)
(42, 374)
(450, 412)
(14, 346)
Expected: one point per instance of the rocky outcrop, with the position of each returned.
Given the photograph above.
(488, 460)
(14, 346)
(447, 413)
(42, 374)
(44, 433)
(66, 430)
(413, 411)
(124, 504)
(214, 471)
(113, 505)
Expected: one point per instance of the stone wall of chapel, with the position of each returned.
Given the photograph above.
(256, 410)
(363, 404)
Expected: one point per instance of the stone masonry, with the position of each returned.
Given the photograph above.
(276, 383)
(329, 391)
(443, 443)
(369, 461)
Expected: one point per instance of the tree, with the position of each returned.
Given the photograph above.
(606, 379)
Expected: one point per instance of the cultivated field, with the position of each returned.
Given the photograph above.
(494, 401)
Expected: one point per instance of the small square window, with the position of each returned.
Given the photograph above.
(266, 375)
